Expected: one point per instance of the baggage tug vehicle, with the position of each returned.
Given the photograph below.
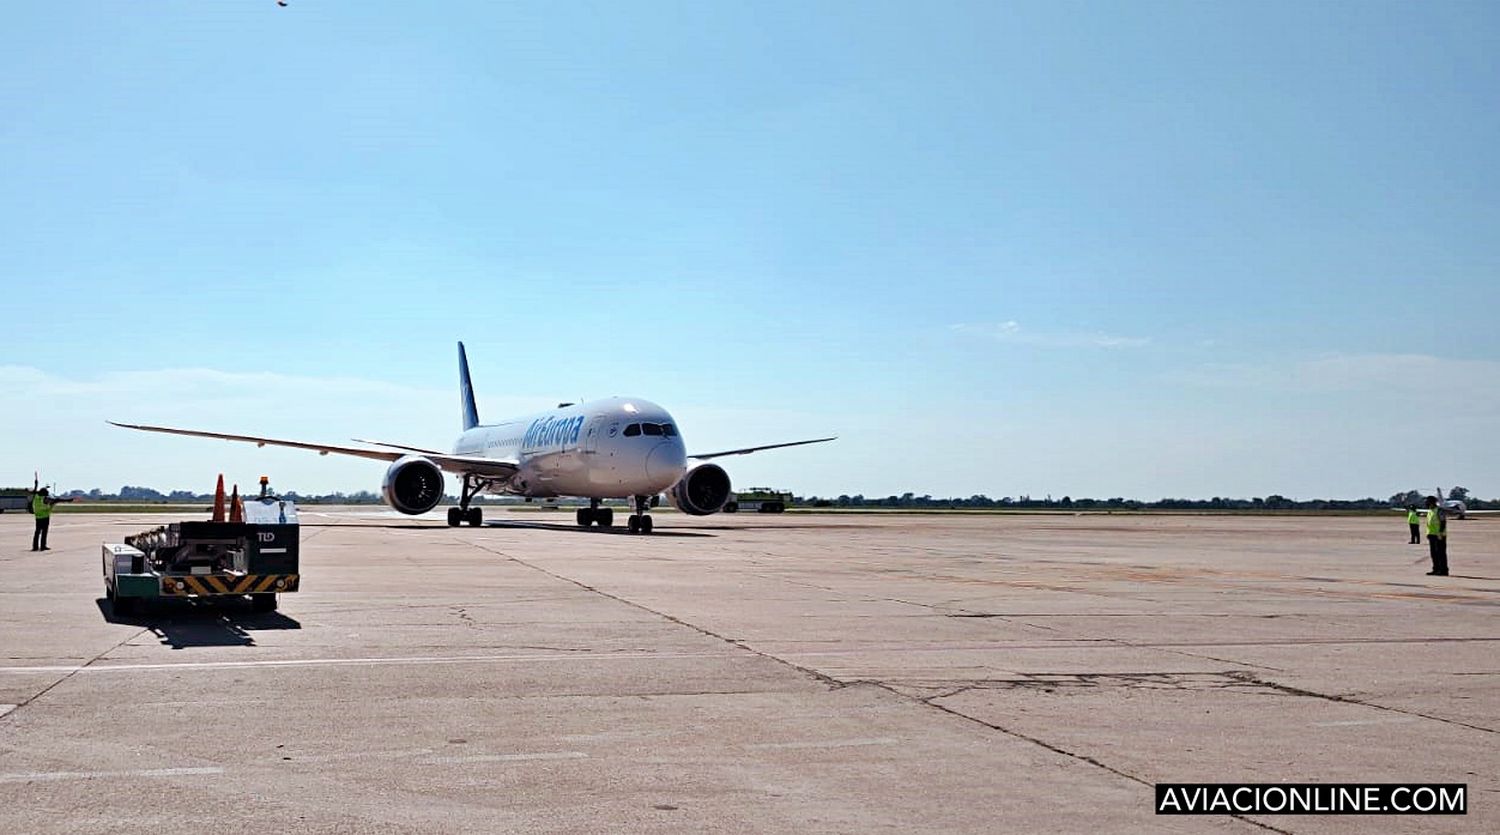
(253, 552)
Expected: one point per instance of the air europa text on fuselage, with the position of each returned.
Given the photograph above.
(551, 431)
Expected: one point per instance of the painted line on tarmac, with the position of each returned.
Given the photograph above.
(506, 758)
(831, 743)
(331, 662)
(36, 776)
(356, 755)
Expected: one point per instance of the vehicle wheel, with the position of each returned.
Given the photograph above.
(454, 517)
(584, 517)
(645, 524)
(263, 602)
(605, 517)
(634, 524)
(476, 517)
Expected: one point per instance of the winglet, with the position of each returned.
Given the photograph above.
(466, 390)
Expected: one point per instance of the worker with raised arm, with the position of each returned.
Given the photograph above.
(1414, 522)
(41, 507)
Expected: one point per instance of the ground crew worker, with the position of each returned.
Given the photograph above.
(1412, 521)
(41, 508)
(1437, 537)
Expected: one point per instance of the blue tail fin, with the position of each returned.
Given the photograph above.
(466, 390)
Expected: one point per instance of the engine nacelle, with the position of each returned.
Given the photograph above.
(702, 490)
(413, 485)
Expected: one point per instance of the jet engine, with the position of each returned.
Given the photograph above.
(702, 490)
(413, 485)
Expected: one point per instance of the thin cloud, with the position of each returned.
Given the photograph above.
(200, 383)
(1011, 332)
(56, 424)
(1462, 378)
(207, 387)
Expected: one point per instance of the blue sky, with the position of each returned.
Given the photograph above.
(1092, 249)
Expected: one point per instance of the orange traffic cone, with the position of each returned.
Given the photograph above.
(236, 510)
(219, 500)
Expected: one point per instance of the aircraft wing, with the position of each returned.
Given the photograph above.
(461, 464)
(749, 449)
(416, 449)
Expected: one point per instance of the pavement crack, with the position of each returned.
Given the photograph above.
(1056, 749)
(1250, 678)
(835, 683)
(1203, 655)
(45, 690)
(828, 680)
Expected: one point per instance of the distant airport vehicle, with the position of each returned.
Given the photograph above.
(616, 448)
(758, 500)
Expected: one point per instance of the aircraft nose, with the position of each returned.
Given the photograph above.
(666, 462)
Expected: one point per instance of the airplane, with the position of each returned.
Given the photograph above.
(615, 448)
(1455, 508)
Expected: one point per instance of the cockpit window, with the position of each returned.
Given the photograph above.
(669, 430)
(651, 428)
(632, 430)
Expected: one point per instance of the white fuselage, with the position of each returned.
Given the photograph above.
(613, 448)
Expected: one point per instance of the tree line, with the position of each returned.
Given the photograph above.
(1024, 502)
(910, 501)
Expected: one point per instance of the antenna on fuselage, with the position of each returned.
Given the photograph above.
(466, 391)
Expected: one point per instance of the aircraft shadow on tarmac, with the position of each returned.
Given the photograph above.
(783, 527)
(187, 623)
(390, 526)
(537, 526)
(616, 530)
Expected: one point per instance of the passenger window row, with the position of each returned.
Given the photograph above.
(635, 429)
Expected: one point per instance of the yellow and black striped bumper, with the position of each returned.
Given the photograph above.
(209, 584)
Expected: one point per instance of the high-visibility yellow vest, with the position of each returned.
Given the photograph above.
(39, 507)
(1412, 518)
(1435, 525)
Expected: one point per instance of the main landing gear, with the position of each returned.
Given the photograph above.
(640, 521)
(473, 485)
(603, 516)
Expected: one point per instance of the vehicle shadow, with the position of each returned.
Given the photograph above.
(199, 623)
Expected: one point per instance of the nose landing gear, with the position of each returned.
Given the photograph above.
(640, 521)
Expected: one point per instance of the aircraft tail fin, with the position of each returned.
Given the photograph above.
(466, 390)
